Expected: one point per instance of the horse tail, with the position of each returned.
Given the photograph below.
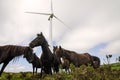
(96, 61)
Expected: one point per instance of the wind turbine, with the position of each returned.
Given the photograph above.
(51, 16)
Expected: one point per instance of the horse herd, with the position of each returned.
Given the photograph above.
(48, 61)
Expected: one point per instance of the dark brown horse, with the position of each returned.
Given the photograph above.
(96, 62)
(74, 58)
(9, 52)
(65, 64)
(47, 57)
(36, 63)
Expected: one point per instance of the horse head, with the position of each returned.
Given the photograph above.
(58, 51)
(39, 40)
(96, 61)
(54, 48)
(28, 54)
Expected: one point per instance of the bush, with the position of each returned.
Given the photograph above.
(105, 72)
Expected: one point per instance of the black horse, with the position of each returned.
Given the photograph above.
(73, 57)
(47, 57)
(56, 64)
(9, 52)
(36, 63)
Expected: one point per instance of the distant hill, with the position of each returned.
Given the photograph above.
(115, 66)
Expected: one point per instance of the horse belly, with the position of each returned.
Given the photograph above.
(83, 61)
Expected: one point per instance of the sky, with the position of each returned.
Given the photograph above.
(93, 26)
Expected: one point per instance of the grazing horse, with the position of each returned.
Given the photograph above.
(65, 64)
(47, 57)
(36, 63)
(73, 57)
(9, 52)
(96, 62)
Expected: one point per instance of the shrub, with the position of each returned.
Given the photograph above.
(105, 72)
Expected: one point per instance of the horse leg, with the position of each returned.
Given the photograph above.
(66, 70)
(69, 70)
(3, 67)
(33, 70)
(50, 71)
(41, 72)
(36, 70)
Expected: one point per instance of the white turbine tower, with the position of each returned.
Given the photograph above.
(51, 16)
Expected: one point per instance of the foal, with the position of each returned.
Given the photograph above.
(65, 64)
(36, 63)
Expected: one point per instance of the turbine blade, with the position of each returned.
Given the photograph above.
(49, 18)
(62, 22)
(38, 13)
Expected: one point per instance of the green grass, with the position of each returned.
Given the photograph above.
(105, 72)
(115, 66)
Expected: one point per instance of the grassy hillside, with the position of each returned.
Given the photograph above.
(115, 66)
(105, 72)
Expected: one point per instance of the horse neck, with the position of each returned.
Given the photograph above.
(45, 48)
(70, 55)
(67, 55)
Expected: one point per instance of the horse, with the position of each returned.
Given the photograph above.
(56, 64)
(74, 58)
(47, 57)
(96, 61)
(65, 64)
(9, 52)
(36, 63)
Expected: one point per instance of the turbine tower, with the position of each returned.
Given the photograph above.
(51, 16)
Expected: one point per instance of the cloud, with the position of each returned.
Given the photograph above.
(91, 23)
(17, 68)
(98, 24)
(112, 48)
(87, 37)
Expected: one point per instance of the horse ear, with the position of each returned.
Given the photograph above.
(38, 34)
(54, 47)
(41, 33)
(60, 47)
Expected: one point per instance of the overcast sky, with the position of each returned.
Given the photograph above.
(93, 26)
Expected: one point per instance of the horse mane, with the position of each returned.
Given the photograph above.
(69, 51)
